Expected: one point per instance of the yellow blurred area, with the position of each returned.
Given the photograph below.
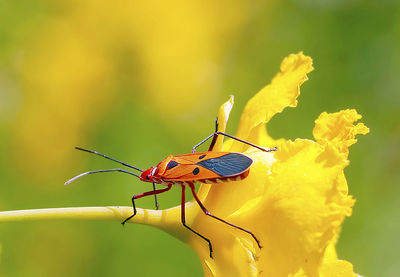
(139, 80)
(70, 72)
(66, 85)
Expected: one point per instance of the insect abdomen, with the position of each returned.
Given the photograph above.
(225, 179)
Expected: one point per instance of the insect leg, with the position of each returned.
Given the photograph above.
(213, 216)
(107, 157)
(183, 219)
(155, 197)
(137, 196)
(246, 142)
(201, 142)
(213, 135)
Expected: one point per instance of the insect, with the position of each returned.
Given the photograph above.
(185, 170)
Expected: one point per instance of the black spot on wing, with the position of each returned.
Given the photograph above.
(196, 171)
(228, 165)
(171, 164)
(202, 156)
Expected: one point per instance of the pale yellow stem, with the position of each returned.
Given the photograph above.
(167, 220)
(102, 213)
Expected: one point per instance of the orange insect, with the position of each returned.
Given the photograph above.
(184, 170)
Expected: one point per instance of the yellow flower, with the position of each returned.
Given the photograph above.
(294, 200)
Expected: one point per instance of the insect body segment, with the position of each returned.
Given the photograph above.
(184, 170)
(199, 167)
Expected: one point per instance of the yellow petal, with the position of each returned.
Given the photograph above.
(282, 92)
(338, 269)
(222, 119)
(338, 128)
(301, 209)
(223, 116)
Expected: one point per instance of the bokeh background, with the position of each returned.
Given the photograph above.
(139, 80)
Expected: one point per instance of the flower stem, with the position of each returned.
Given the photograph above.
(149, 217)
(167, 220)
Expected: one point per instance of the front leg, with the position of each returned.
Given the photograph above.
(137, 196)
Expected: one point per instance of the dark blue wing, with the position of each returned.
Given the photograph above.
(228, 165)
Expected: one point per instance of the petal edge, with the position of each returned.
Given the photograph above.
(280, 93)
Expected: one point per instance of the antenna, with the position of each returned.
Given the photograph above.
(99, 171)
(107, 157)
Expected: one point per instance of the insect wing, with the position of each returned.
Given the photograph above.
(206, 165)
(185, 167)
(188, 172)
(230, 164)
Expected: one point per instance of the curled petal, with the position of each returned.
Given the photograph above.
(273, 98)
(339, 129)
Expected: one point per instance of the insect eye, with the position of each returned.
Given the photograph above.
(148, 177)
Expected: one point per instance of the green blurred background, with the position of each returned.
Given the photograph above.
(141, 81)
